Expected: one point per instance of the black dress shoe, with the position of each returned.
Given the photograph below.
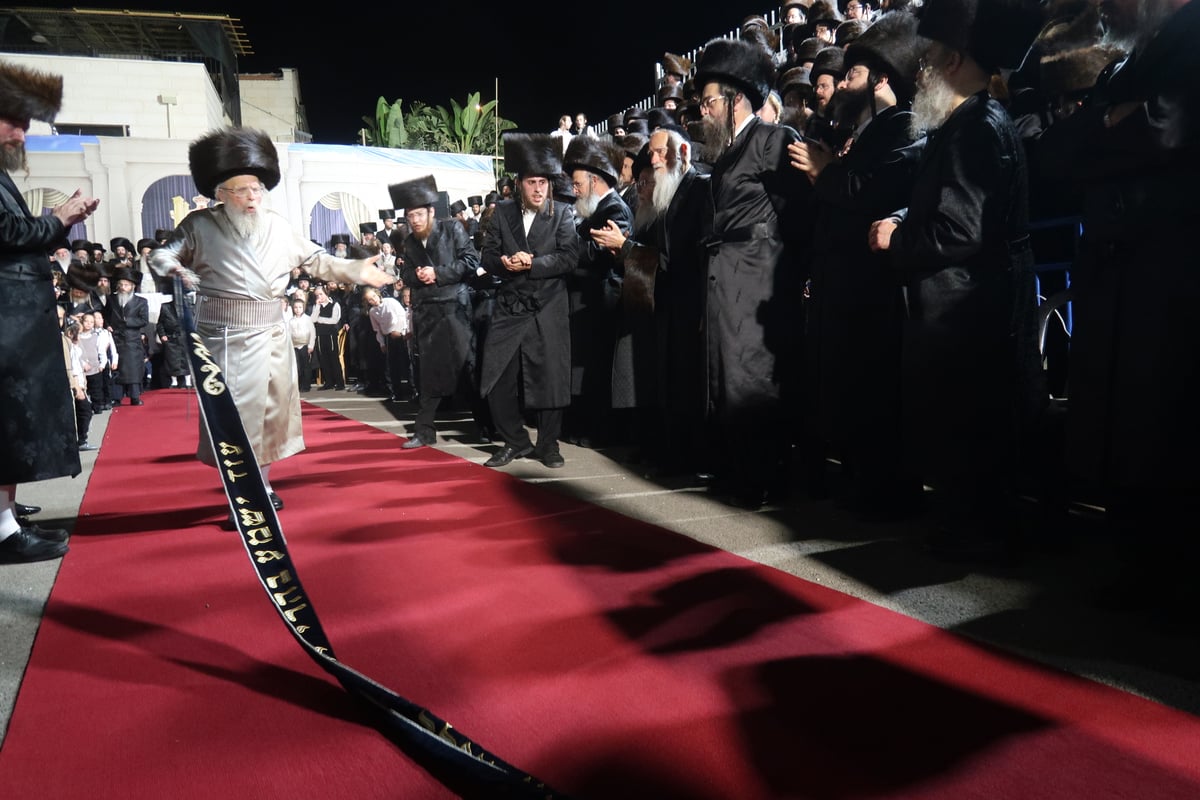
(276, 501)
(553, 459)
(49, 534)
(507, 454)
(26, 511)
(413, 444)
(85, 447)
(25, 546)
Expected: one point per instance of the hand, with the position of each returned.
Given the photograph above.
(609, 236)
(517, 262)
(426, 275)
(373, 276)
(810, 158)
(80, 394)
(77, 208)
(879, 237)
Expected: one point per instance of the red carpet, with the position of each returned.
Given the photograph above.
(610, 658)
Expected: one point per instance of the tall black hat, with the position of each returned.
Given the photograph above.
(81, 244)
(614, 122)
(561, 188)
(475, 200)
(631, 144)
(796, 78)
(162, 234)
(996, 33)
(603, 158)
(416, 193)
(144, 243)
(891, 46)
(368, 227)
(29, 94)
(808, 48)
(339, 238)
(121, 241)
(741, 64)
(533, 154)
(659, 118)
(672, 91)
(457, 207)
(82, 277)
(124, 274)
(387, 213)
(218, 156)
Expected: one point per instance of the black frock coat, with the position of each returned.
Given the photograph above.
(531, 311)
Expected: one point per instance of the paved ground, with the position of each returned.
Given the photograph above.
(1064, 606)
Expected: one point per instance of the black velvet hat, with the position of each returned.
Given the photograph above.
(416, 193)
(124, 274)
(531, 155)
(339, 238)
(387, 213)
(830, 61)
(475, 200)
(82, 277)
(891, 46)
(144, 243)
(367, 227)
(614, 122)
(744, 65)
(121, 241)
(603, 158)
(219, 155)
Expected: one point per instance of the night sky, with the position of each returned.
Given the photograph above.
(551, 58)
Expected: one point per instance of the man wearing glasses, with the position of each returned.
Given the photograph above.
(239, 255)
(754, 280)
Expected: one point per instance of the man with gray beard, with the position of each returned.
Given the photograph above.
(238, 256)
(593, 287)
(971, 380)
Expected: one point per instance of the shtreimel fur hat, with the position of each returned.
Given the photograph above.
(416, 193)
(603, 158)
(218, 156)
(29, 94)
(530, 155)
(738, 63)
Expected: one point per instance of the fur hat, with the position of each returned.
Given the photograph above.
(631, 144)
(531, 155)
(671, 92)
(891, 46)
(124, 274)
(741, 64)
(142, 243)
(29, 94)
(614, 122)
(783, 9)
(676, 65)
(338, 238)
(162, 234)
(824, 13)
(996, 33)
(121, 241)
(81, 244)
(1074, 71)
(416, 193)
(830, 61)
(659, 118)
(562, 191)
(603, 158)
(82, 277)
(457, 207)
(792, 34)
(637, 125)
(848, 31)
(221, 154)
(475, 200)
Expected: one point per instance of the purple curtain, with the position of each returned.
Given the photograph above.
(325, 223)
(156, 203)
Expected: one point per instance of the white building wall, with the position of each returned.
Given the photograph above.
(271, 103)
(117, 91)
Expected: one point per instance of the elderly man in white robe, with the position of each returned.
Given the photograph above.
(239, 256)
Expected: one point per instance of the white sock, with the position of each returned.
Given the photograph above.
(265, 471)
(8, 523)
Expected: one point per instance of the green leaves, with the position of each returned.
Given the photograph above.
(472, 127)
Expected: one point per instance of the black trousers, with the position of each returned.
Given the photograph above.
(399, 368)
(506, 413)
(304, 368)
(83, 418)
(327, 356)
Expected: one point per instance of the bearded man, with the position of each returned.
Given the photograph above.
(127, 314)
(238, 256)
(854, 315)
(594, 287)
(438, 260)
(530, 246)
(754, 279)
(38, 440)
(972, 384)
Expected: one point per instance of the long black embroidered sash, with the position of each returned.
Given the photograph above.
(262, 536)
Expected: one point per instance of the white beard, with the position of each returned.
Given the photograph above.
(64, 263)
(123, 298)
(666, 183)
(246, 225)
(586, 206)
(932, 105)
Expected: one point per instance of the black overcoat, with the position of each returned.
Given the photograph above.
(37, 410)
(593, 288)
(442, 310)
(127, 325)
(531, 311)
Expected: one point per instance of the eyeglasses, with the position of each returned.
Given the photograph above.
(245, 192)
(707, 102)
